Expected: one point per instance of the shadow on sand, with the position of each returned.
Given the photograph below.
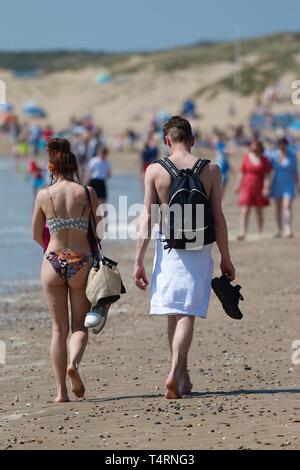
(273, 391)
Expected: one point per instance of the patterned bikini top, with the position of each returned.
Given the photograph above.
(77, 223)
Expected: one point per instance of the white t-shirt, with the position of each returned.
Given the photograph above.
(99, 168)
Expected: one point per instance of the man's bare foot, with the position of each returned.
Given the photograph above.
(77, 384)
(185, 386)
(171, 388)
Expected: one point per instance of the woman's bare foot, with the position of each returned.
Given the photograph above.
(289, 235)
(77, 384)
(62, 397)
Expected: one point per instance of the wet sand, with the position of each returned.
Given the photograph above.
(246, 392)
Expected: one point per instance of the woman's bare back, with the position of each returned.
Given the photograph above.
(69, 202)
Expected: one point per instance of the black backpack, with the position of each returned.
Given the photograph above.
(192, 219)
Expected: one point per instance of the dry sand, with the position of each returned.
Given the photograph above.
(246, 391)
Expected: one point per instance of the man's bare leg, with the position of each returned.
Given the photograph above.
(177, 384)
(172, 323)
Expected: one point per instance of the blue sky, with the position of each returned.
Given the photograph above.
(120, 25)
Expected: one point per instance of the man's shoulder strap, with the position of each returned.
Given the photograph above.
(169, 166)
(199, 165)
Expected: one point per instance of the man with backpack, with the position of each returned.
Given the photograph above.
(189, 195)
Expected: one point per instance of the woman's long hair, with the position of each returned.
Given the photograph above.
(62, 162)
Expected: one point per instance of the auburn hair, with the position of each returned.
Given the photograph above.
(62, 162)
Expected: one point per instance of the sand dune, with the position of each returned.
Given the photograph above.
(131, 99)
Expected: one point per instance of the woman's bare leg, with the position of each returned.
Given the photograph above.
(279, 214)
(56, 292)
(259, 219)
(80, 306)
(287, 216)
(244, 222)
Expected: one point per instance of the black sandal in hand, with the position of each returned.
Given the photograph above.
(229, 296)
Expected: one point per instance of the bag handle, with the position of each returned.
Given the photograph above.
(98, 241)
(93, 224)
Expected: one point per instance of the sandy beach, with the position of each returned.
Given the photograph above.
(246, 390)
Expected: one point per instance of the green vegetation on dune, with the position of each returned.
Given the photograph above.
(57, 60)
(273, 60)
(271, 57)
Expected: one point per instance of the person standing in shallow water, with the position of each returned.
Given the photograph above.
(181, 278)
(67, 262)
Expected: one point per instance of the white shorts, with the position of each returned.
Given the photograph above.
(181, 281)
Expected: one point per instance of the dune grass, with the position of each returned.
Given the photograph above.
(274, 56)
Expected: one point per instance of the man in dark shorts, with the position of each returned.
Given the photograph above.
(98, 171)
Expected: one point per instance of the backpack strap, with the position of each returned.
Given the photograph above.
(199, 165)
(169, 166)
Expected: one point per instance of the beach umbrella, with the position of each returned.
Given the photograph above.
(32, 109)
(6, 107)
(103, 78)
(295, 127)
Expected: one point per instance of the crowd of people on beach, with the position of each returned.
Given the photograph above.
(269, 168)
(80, 154)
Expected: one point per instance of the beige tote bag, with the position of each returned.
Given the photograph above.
(104, 284)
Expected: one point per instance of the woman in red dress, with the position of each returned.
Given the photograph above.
(253, 186)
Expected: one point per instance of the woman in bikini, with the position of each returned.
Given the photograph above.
(64, 206)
